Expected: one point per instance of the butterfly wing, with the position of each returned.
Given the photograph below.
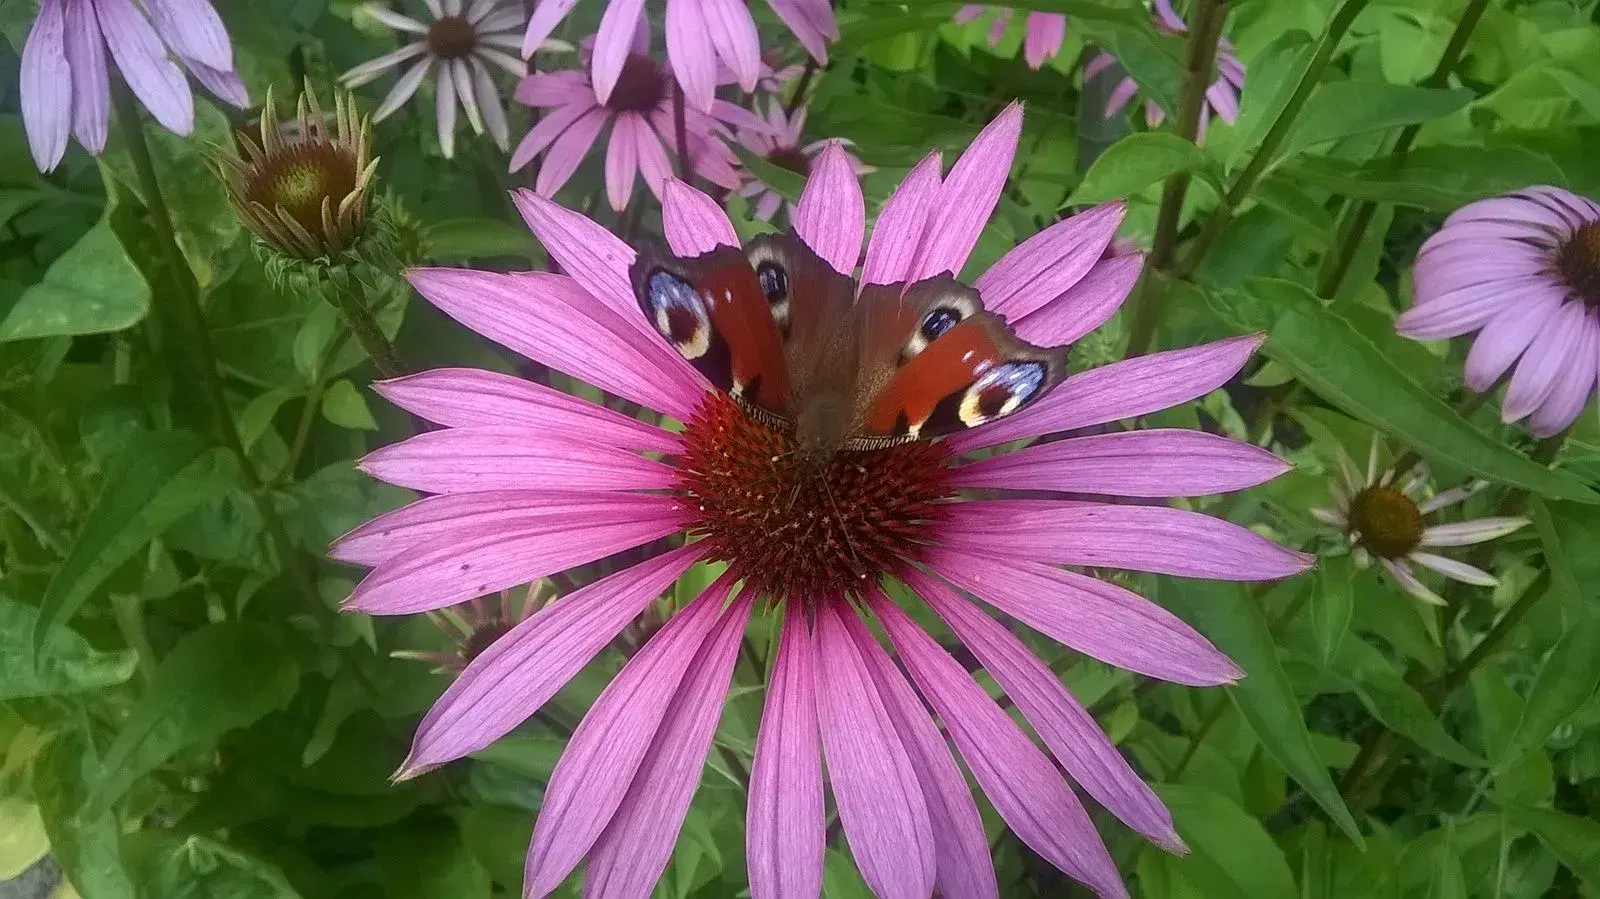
(810, 304)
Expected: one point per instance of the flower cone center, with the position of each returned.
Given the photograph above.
(1387, 521)
(794, 527)
(1579, 261)
(483, 636)
(451, 37)
(640, 87)
(790, 158)
(300, 176)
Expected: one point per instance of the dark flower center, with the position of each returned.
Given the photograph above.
(451, 37)
(792, 159)
(641, 86)
(1386, 521)
(300, 176)
(1579, 261)
(483, 636)
(791, 527)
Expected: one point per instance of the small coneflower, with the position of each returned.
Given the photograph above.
(1522, 270)
(1044, 33)
(781, 145)
(458, 45)
(473, 627)
(301, 189)
(527, 481)
(703, 36)
(640, 115)
(1385, 518)
(73, 45)
(1222, 95)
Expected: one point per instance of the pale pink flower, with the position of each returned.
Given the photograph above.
(1222, 95)
(781, 145)
(1385, 519)
(1523, 270)
(526, 481)
(1043, 35)
(701, 34)
(66, 80)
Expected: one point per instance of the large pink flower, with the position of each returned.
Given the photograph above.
(1043, 34)
(700, 34)
(66, 83)
(527, 481)
(1222, 95)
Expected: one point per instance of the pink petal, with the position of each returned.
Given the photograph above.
(622, 159)
(143, 63)
(1459, 311)
(1045, 265)
(593, 775)
(547, 14)
(1450, 568)
(1223, 100)
(734, 35)
(969, 12)
(612, 44)
(874, 785)
(1086, 305)
(568, 150)
(464, 460)
(1465, 263)
(784, 831)
(1024, 785)
(799, 18)
(1125, 389)
(1401, 571)
(634, 849)
(563, 88)
(653, 162)
(1130, 463)
(472, 397)
(968, 197)
(693, 222)
(1118, 99)
(1141, 538)
(1094, 617)
(902, 223)
(519, 672)
(689, 49)
(193, 30)
(1045, 33)
(91, 84)
(46, 86)
(222, 83)
(1061, 721)
(1467, 533)
(832, 216)
(1573, 387)
(1553, 351)
(961, 849)
(1505, 337)
(551, 320)
(593, 256)
(1098, 64)
(551, 125)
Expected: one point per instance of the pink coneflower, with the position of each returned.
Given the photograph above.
(781, 146)
(457, 46)
(1384, 519)
(1222, 96)
(527, 481)
(66, 85)
(1523, 270)
(1044, 33)
(640, 114)
(700, 34)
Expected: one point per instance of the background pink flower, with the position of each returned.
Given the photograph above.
(1044, 33)
(781, 145)
(1222, 96)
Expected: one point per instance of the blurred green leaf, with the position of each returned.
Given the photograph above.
(200, 868)
(65, 664)
(1332, 603)
(1441, 178)
(1340, 109)
(346, 407)
(785, 183)
(424, 861)
(87, 846)
(459, 240)
(1574, 840)
(1136, 162)
(92, 288)
(1269, 82)
(1396, 704)
(1228, 842)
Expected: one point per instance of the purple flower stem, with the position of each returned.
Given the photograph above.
(681, 134)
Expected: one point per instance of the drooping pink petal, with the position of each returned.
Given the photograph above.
(1141, 538)
(143, 63)
(1045, 34)
(733, 33)
(799, 18)
(1064, 725)
(902, 224)
(1460, 311)
(519, 672)
(547, 14)
(1450, 568)
(46, 86)
(622, 159)
(550, 319)
(612, 44)
(1173, 462)
(1401, 571)
(562, 88)
(1086, 305)
(784, 827)
(1045, 265)
(961, 849)
(1571, 393)
(473, 397)
(223, 84)
(1505, 338)
(633, 850)
(568, 150)
(1465, 263)
(653, 162)
(832, 215)
(597, 259)
(693, 222)
(606, 750)
(1025, 787)
(193, 30)
(465, 460)
(1092, 616)
(689, 49)
(550, 126)
(91, 83)
(1553, 352)
(968, 197)
(1125, 389)
(1098, 64)
(969, 12)
(876, 789)
(1224, 100)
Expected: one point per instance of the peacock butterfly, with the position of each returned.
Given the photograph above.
(802, 349)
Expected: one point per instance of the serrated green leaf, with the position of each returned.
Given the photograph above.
(92, 288)
(1136, 162)
(1224, 838)
(65, 664)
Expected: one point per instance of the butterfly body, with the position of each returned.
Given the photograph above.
(790, 338)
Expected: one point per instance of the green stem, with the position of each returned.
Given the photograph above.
(1455, 677)
(1252, 172)
(1358, 214)
(350, 295)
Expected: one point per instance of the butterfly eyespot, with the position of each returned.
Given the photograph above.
(1001, 391)
(679, 313)
(775, 286)
(938, 321)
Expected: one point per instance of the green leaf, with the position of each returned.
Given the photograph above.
(92, 288)
(463, 239)
(1227, 615)
(346, 407)
(1229, 842)
(427, 861)
(1396, 704)
(157, 480)
(1574, 840)
(87, 846)
(1332, 604)
(66, 663)
(787, 184)
(1337, 362)
(201, 868)
(1340, 109)
(1271, 79)
(22, 837)
(1136, 162)
(218, 678)
(1152, 59)
(1441, 178)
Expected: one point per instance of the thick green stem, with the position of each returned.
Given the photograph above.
(350, 295)
(1257, 166)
